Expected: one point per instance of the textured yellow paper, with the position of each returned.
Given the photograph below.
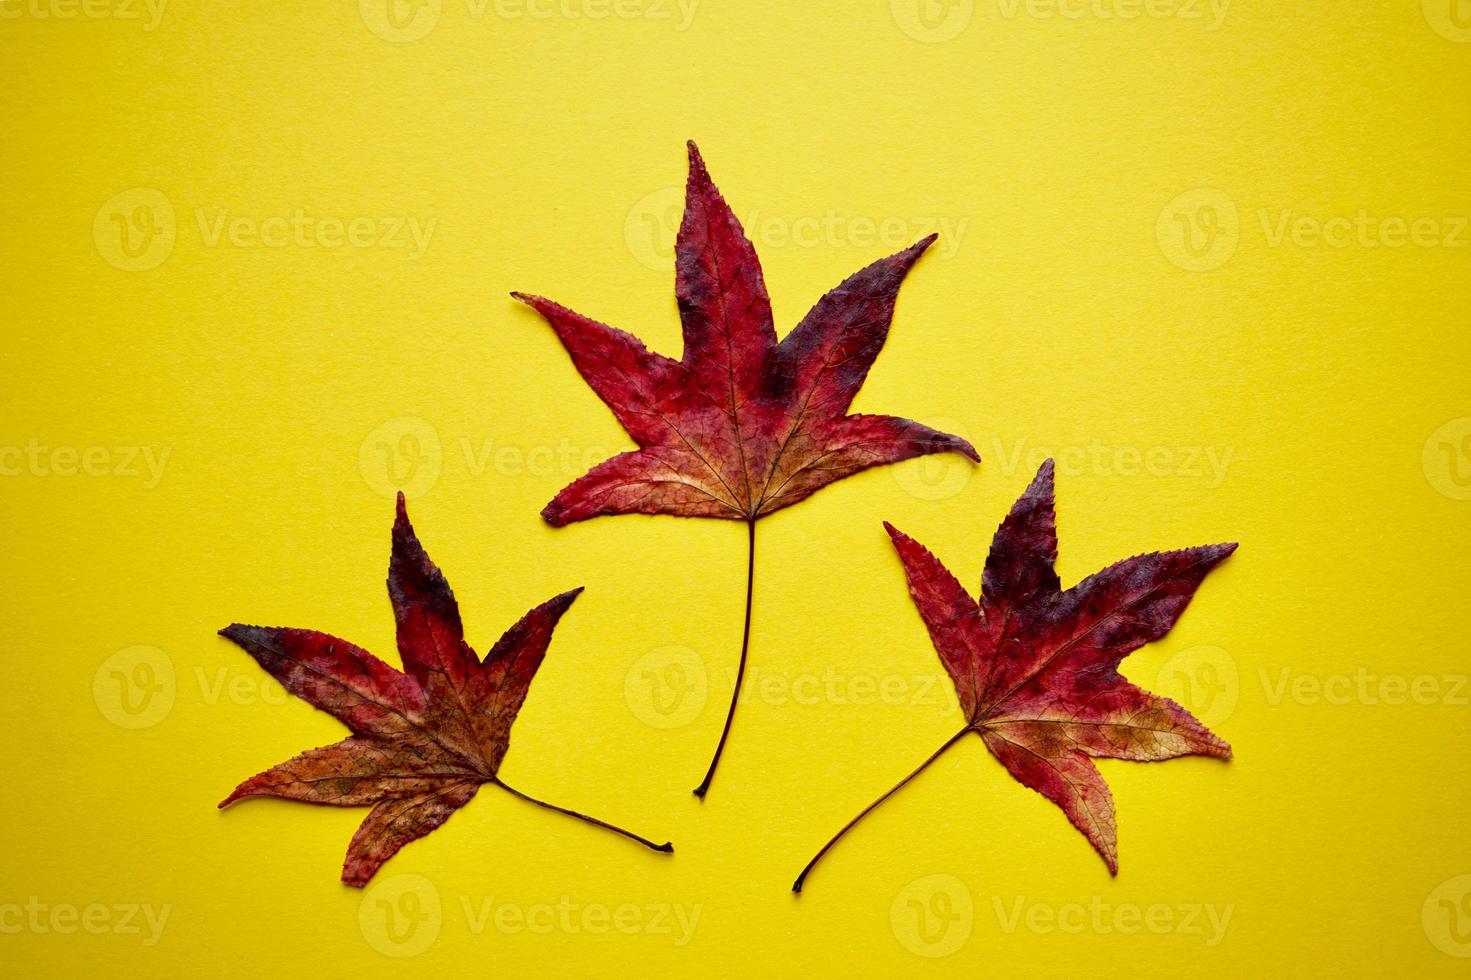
(256, 264)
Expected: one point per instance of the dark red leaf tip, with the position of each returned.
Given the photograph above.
(241, 633)
(547, 308)
(403, 528)
(238, 793)
(1211, 554)
(560, 603)
(901, 262)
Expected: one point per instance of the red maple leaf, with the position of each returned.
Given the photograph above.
(742, 426)
(423, 740)
(1035, 666)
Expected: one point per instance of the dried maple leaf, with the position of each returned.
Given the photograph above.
(423, 740)
(1035, 667)
(742, 426)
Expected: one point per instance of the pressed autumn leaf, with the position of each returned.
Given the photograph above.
(1035, 666)
(424, 739)
(742, 425)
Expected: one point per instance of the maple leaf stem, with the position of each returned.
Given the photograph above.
(735, 695)
(797, 885)
(665, 847)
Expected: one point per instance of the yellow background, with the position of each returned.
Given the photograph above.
(1062, 315)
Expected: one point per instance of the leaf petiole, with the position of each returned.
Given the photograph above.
(797, 885)
(665, 847)
(735, 695)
